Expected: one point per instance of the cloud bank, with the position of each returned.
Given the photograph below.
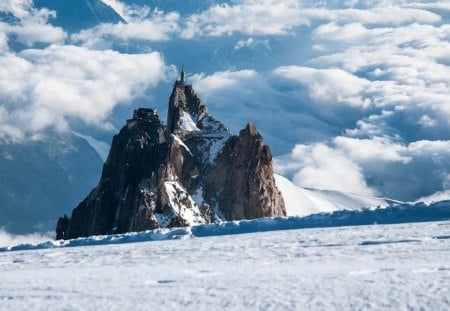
(32, 25)
(43, 88)
(371, 166)
(355, 94)
(377, 96)
(155, 26)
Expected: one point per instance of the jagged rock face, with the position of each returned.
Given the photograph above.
(235, 174)
(194, 171)
(185, 110)
(136, 154)
(241, 180)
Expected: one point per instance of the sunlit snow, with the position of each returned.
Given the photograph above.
(396, 267)
(303, 201)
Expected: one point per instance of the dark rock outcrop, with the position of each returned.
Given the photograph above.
(242, 181)
(192, 171)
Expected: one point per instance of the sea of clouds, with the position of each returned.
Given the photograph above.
(351, 95)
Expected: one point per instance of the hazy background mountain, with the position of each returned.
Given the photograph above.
(74, 16)
(40, 178)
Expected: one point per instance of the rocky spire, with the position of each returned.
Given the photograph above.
(193, 171)
(182, 74)
(185, 109)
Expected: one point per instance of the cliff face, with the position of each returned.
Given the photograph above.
(192, 171)
(241, 180)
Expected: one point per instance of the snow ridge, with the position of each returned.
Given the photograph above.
(305, 201)
(402, 213)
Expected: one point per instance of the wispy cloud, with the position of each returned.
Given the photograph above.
(33, 26)
(376, 165)
(157, 26)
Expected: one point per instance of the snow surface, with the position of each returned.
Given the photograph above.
(435, 197)
(197, 197)
(304, 201)
(216, 135)
(397, 267)
(215, 148)
(177, 196)
(99, 146)
(187, 124)
(181, 143)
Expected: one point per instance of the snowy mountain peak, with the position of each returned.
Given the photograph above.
(186, 111)
(75, 15)
(191, 172)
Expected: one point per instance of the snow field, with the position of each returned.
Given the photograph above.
(305, 201)
(395, 267)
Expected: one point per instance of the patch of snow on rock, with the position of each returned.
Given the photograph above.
(183, 204)
(181, 143)
(187, 124)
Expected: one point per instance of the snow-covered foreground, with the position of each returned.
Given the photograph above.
(398, 267)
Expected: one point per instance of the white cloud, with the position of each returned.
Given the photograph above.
(385, 14)
(222, 80)
(352, 32)
(9, 132)
(323, 167)
(33, 26)
(43, 88)
(156, 27)
(380, 148)
(426, 121)
(429, 5)
(268, 17)
(329, 86)
(371, 166)
(236, 97)
(3, 43)
(407, 69)
(31, 33)
(252, 43)
(19, 8)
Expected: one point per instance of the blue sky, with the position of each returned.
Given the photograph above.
(350, 95)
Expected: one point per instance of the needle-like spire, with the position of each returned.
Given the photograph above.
(182, 74)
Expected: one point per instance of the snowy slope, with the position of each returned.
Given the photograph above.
(376, 267)
(305, 201)
(76, 15)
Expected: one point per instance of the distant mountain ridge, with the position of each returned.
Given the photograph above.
(62, 165)
(75, 15)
